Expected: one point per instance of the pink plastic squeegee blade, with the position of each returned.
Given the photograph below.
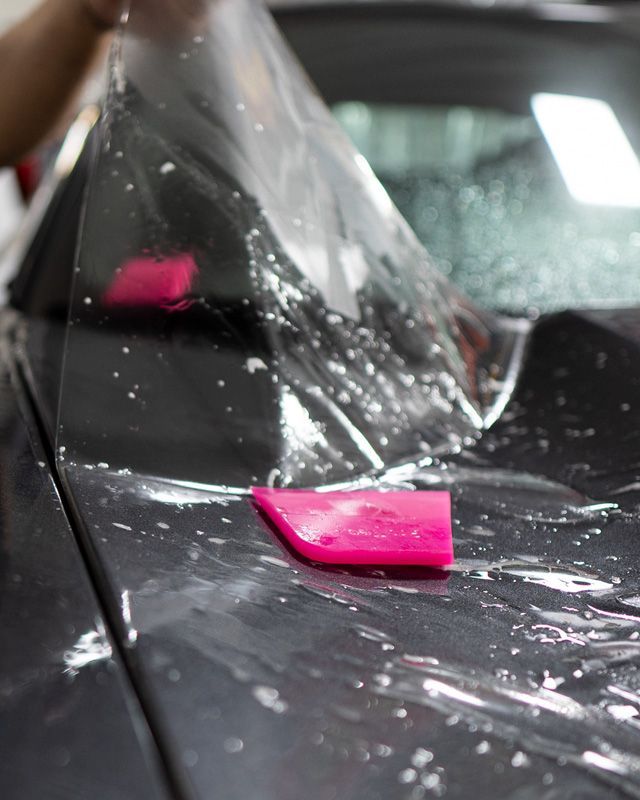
(363, 527)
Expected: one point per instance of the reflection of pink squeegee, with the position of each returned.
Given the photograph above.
(148, 281)
(363, 527)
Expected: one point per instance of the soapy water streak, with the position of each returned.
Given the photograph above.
(90, 648)
(568, 695)
(541, 721)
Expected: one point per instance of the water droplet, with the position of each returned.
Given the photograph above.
(520, 759)
(189, 758)
(269, 698)
(408, 775)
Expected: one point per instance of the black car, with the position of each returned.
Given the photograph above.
(492, 127)
(215, 292)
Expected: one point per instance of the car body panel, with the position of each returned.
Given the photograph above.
(364, 683)
(72, 724)
(512, 674)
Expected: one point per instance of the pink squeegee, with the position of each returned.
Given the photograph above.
(363, 527)
(148, 281)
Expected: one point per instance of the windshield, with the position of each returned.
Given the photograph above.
(249, 306)
(510, 143)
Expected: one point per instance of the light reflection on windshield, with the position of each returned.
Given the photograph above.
(593, 153)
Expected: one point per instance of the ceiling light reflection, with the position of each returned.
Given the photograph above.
(597, 162)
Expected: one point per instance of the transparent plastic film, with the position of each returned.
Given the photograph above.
(250, 309)
(249, 306)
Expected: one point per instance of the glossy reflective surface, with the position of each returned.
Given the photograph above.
(71, 723)
(440, 98)
(513, 673)
(245, 284)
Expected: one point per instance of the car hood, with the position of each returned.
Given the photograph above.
(249, 308)
(514, 669)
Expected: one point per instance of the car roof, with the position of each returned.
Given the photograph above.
(578, 10)
(487, 4)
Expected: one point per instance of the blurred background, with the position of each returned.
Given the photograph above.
(10, 201)
(11, 10)
(510, 142)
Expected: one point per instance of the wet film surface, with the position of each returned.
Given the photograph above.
(249, 308)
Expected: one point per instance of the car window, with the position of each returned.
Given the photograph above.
(508, 141)
(482, 190)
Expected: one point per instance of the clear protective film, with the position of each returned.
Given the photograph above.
(249, 306)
